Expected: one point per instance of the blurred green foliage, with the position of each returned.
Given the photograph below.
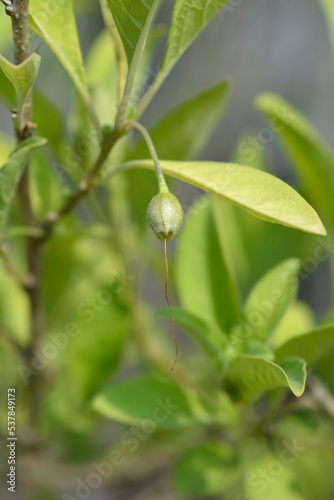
(248, 412)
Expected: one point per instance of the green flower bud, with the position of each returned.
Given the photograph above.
(165, 215)
(106, 130)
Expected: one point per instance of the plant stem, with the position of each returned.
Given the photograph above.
(18, 10)
(160, 176)
(19, 14)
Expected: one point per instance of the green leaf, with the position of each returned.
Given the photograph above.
(249, 376)
(155, 37)
(16, 319)
(67, 285)
(260, 349)
(165, 404)
(309, 154)
(45, 189)
(89, 358)
(207, 470)
(268, 302)
(240, 234)
(57, 27)
(5, 32)
(298, 320)
(189, 18)
(211, 341)
(203, 280)
(132, 20)
(7, 144)
(23, 77)
(50, 120)
(328, 8)
(101, 68)
(311, 346)
(182, 134)
(7, 92)
(10, 175)
(261, 194)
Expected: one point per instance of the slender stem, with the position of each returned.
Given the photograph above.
(19, 13)
(160, 176)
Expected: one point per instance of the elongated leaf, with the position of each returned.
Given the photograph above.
(157, 33)
(212, 342)
(5, 32)
(203, 279)
(298, 320)
(240, 234)
(250, 375)
(328, 8)
(50, 120)
(166, 405)
(10, 175)
(101, 68)
(16, 319)
(261, 194)
(311, 346)
(56, 24)
(22, 76)
(133, 20)
(6, 146)
(44, 186)
(207, 470)
(309, 155)
(7, 92)
(268, 302)
(182, 134)
(189, 19)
